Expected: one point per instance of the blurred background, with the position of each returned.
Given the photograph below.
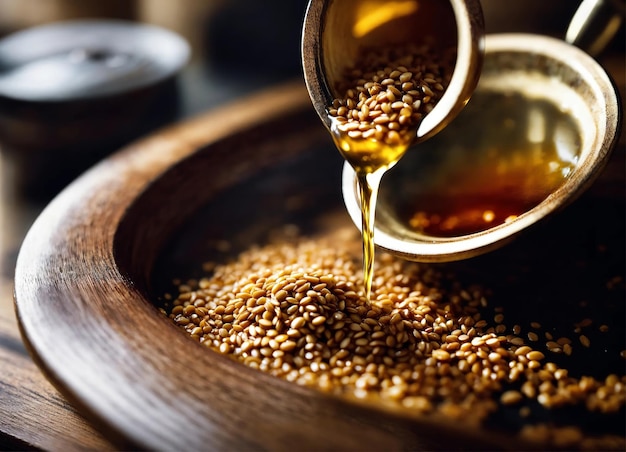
(237, 46)
(243, 42)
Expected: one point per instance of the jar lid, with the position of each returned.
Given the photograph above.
(86, 59)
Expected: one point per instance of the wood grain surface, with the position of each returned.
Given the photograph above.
(34, 414)
(84, 288)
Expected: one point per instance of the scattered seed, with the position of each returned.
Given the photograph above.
(584, 340)
(511, 397)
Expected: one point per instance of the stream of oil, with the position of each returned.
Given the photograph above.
(370, 159)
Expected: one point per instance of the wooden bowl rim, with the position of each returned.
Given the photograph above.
(75, 308)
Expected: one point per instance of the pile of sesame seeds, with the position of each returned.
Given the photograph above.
(423, 343)
(389, 91)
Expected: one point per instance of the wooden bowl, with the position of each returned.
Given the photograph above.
(92, 268)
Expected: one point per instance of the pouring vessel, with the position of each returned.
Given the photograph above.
(335, 33)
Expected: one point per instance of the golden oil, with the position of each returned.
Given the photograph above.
(501, 157)
(370, 159)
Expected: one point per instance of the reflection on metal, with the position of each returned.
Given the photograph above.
(594, 24)
(371, 15)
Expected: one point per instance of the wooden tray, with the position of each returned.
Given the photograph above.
(93, 266)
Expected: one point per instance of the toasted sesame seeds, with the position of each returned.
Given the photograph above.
(382, 84)
(297, 311)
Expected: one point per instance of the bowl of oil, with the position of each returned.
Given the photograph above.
(537, 132)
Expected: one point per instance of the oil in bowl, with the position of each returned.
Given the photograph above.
(504, 156)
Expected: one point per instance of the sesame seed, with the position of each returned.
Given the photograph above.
(584, 340)
(511, 397)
